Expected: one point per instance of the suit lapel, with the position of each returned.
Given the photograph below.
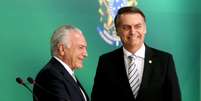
(124, 82)
(75, 84)
(147, 71)
(146, 74)
(78, 82)
(68, 78)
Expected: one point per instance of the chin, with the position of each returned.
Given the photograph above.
(79, 66)
(134, 44)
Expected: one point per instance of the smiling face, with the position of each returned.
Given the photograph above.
(75, 51)
(131, 28)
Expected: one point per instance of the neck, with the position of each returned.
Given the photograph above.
(133, 49)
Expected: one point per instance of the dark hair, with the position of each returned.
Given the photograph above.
(128, 9)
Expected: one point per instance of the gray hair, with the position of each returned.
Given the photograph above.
(61, 35)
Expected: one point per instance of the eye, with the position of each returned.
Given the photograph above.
(125, 27)
(138, 26)
(82, 47)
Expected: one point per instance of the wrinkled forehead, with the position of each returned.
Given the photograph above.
(78, 37)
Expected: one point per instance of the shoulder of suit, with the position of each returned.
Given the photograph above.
(52, 68)
(159, 52)
(112, 53)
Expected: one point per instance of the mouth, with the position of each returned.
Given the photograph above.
(133, 37)
(81, 59)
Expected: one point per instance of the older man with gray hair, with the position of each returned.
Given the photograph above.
(56, 81)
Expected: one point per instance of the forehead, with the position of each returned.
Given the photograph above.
(131, 18)
(78, 38)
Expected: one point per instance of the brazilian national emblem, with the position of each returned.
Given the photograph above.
(107, 11)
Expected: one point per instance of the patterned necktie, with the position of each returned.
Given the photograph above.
(133, 75)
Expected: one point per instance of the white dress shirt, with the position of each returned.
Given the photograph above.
(139, 61)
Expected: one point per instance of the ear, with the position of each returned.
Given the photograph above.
(117, 31)
(145, 28)
(118, 34)
(61, 49)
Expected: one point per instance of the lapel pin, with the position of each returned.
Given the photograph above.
(150, 61)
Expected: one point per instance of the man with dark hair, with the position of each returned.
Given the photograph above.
(135, 71)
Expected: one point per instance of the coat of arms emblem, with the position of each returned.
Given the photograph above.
(107, 11)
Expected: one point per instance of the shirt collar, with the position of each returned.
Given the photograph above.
(139, 53)
(65, 66)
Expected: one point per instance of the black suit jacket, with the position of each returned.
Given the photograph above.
(159, 81)
(54, 83)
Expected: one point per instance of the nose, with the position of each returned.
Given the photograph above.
(85, 54)
(132, 30)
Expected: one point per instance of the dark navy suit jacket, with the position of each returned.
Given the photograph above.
(159, 81)
(54, 83)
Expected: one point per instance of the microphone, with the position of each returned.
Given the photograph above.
(21, 82)
(30, 80)
(33, 82)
